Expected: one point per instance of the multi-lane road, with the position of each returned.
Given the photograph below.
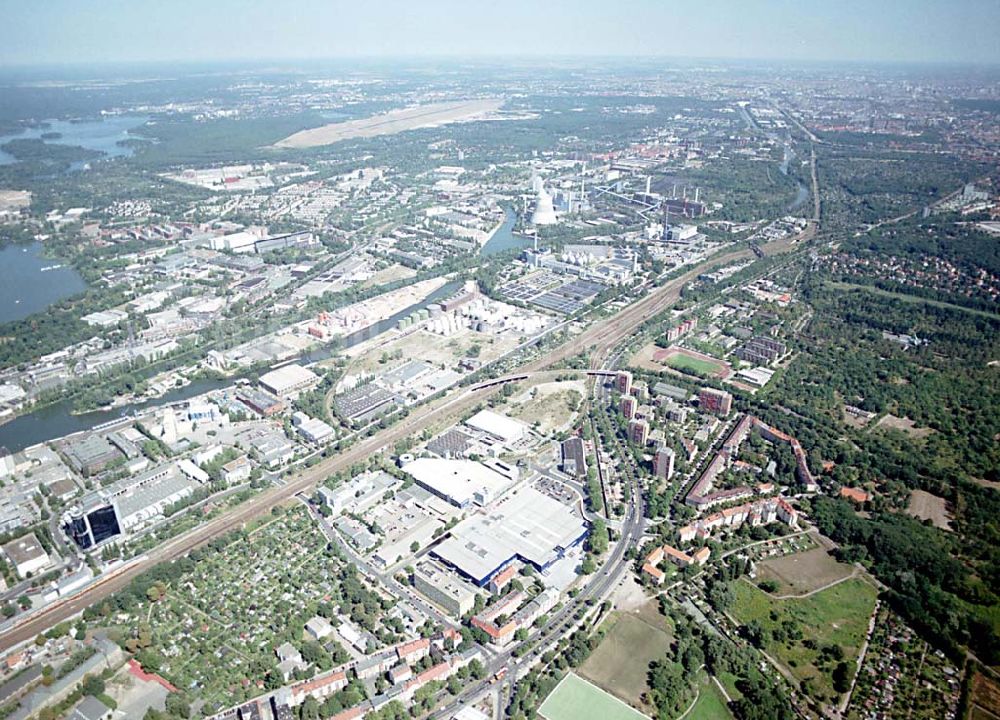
(596, 590)
(596, 340)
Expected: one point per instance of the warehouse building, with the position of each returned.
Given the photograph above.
(463, 482)
(26, 554)
(313, 430)
(526, 526)
(574, 457)
(126, 505)
(262, 403)
(499, 426)
(90, 454)
(289, 380)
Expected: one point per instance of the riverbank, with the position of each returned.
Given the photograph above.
(56, 420)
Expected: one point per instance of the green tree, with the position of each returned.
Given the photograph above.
(92, 685)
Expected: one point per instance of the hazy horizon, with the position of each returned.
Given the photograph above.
(62, 32)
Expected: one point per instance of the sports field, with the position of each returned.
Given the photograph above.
(691, 362)
(687, 363)
(620, 663)
(576, 699)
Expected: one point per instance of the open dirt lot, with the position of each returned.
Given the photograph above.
(926, 506)
(388, 275)
(985, 698)
(620, 662)
(802, 572)
(394, 121)
(644, 358)
(905, 425)
(433, 348)
(550, 404)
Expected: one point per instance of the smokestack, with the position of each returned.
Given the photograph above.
(647, 184)
(696, 191)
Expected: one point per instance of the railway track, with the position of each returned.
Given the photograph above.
(597, 340)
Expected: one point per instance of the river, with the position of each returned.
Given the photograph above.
(104, 135)
(54, 421)
(30, 282)
(801, 192)
(504, 237)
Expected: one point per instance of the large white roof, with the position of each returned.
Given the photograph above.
(501, 426)
(527, 524)
(457, 480)
(287, 377)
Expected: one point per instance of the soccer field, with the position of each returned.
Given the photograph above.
(576, 699)
(697, 365)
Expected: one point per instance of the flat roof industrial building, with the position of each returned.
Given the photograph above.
(288, 380)
(26, 554)
(365, 402)
(500, 426)
(526, 525)
(462, 482)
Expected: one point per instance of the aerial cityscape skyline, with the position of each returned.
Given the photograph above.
(62, 31)
(508, 361)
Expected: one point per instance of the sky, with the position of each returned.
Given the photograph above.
(34, 32)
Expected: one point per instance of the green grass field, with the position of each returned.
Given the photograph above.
(729, 681)
(710, 705)
(684, 363)
(835, 616)
(576, 699)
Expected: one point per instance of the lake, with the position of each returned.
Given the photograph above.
(101, 135)
(30, 282)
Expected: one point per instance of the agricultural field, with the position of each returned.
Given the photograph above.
(576, 699)
(802, 572)
(620, 663)
(809, 636)
(213, 631)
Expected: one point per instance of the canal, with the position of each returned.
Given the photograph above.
(58, 420)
